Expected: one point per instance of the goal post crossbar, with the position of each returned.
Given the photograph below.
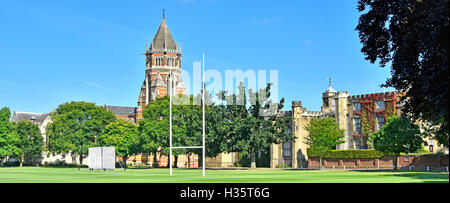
(188, 147)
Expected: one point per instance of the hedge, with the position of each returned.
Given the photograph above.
(348, 154)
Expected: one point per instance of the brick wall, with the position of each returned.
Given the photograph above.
(162, 161)
(417, 162)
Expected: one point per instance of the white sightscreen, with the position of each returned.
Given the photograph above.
(95, 158)
(102, 158)
(109, 158)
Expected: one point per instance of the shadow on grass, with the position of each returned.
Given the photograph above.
(428, 177)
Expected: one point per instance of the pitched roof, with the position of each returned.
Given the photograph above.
(163, 39)
(121, 110)
(29, 116)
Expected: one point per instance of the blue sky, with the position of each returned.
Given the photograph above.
(53, 52)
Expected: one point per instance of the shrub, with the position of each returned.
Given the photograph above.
(263, 161)
(140, 166)
(349, 154)
(283, 166)
(11, 164)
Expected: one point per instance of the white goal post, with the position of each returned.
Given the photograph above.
(203, 121)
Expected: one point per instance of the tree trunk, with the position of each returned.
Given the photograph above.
(320, 163)
(200, 161)
(22, 158)
(395, 162)
(175, 165)
(253, 160)
(189, 161)
(125, 161)
(155, 160)
(81, 161)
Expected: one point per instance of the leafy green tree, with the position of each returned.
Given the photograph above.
(254, 129)
(76, 126)
(412, 37)
(155, 127)
(218, 131)
(148, 142)
(399, 135)
(323, 135)
(267, 125)
(30, 142)
(7, 138)
(123, 135)
(192, 120)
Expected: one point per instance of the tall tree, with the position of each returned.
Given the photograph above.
(254, 129)
(148, 142)
(7, 138)
(30, 142)
(397, 136)
(156, 126)
(123, 135)
(76, 126)
(323, 135)
(412, 36)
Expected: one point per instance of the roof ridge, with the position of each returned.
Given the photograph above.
(30, 112)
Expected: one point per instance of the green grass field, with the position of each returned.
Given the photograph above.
(73, 175)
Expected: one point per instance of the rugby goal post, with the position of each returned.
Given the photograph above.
(203, 121)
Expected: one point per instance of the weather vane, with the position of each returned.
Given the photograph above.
(164, 13)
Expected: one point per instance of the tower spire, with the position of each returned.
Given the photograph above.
(164, 13)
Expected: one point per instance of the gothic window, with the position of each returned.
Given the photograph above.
(358, 143)
(325, 102)
(380, 122)
(357, 125)
(380, 104)
(159, 61)
(357, 106)
(286, 149)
